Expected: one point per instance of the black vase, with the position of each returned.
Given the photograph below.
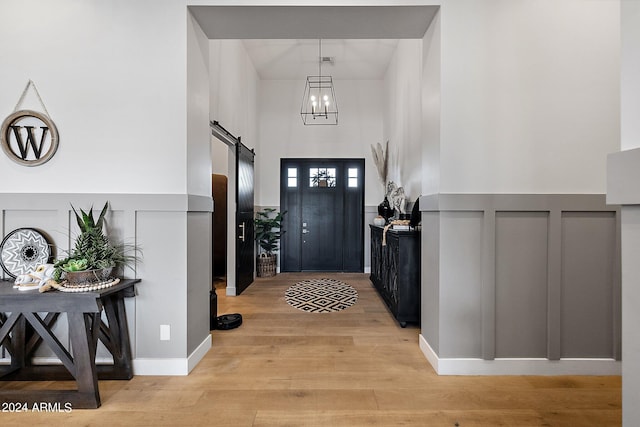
(385, 210)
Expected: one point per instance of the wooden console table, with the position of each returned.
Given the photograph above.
(22, 330)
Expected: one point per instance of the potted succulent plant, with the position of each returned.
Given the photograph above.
(268, 223)
(94, 257)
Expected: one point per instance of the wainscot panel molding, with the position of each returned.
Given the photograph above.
(167, 228)
(521, 284)
(145, 202)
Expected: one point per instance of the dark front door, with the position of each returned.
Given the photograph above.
(323, 227)
(244, 218)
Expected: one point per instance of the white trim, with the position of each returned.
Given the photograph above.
(470, 366)
(428, 352)
(199, 353)
(231, 290)
(173, 366)
(140, 202)
(367, 270)
(144, 366)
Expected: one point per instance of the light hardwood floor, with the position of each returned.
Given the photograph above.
(357, 367)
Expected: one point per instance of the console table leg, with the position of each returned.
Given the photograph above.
(123, 334)
(18, 357)
(84, 356)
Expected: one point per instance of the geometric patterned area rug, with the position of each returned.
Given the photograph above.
(321, 295)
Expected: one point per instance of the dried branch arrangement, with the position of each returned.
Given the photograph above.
(381, 159)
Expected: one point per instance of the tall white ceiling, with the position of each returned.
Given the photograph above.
(295, 59)
(282, 41)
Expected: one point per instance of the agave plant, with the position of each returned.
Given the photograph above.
(92, 248)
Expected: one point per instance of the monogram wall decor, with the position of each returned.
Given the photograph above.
(28, 137)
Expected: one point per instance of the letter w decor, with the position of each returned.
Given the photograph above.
(28, 137)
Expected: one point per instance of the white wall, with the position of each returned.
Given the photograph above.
(431, 80)
(630, 70)
(198, 133)
(233, 100)
(530, 95)
(113, 83)
(403, 115)
(282, 133)
(233, 96)
(233, 88)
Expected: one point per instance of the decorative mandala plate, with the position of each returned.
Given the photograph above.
(23, 250)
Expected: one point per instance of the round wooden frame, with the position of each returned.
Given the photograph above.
(5, 142)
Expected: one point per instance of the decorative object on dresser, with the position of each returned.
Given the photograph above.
(393, 204)
(380, 156)
(395, 271)
(379, 221)
(416, 215)
(396, 198)
(268, 223)
(385, 210)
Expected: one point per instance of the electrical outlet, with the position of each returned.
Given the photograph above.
(165, 332)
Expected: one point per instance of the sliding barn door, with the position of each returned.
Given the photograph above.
(245, 255)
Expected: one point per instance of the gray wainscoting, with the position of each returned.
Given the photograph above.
(173, 232)
(520, 277)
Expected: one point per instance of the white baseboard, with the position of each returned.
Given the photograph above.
(196, 356)
(172, 366)
(231, 291)
(145, 366)
(532, 366)
(367, 270)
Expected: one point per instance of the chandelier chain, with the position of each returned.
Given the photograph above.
(320, 58)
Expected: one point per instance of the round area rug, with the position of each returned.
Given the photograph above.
(321, 295)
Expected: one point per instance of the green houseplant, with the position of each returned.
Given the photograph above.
(267, 230)
(94, 256)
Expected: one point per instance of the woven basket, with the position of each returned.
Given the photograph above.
(266, 265)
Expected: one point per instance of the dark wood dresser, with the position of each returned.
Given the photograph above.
(395, 271)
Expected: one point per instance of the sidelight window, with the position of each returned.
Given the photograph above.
(352, 177)
(292, 177)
